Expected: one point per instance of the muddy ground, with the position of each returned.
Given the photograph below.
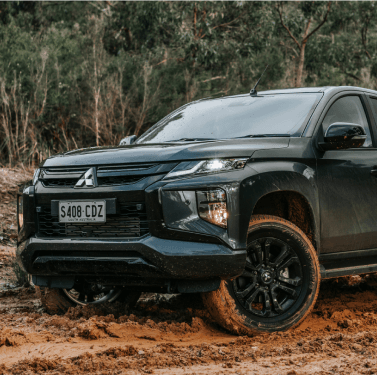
(174, 334)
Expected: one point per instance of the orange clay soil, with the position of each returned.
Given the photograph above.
(175, 335)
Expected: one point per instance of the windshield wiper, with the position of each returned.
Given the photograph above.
(192, 139)
(264, 135)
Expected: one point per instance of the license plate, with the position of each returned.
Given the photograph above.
(82, 212)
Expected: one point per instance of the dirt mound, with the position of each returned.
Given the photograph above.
(7, 254)
(170, 313)
(7, 276)
(10, 180)
(9, 337)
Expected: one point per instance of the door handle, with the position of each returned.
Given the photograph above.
(373, 172)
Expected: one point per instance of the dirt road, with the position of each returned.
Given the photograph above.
(174, 334)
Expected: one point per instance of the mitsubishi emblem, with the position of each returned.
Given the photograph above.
(87, 179)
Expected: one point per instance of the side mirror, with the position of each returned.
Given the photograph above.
(343, 135)
(128, 140)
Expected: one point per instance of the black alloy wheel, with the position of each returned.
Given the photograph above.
(272, 280)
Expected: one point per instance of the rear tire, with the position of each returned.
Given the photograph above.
(279, 286)
(57, 302)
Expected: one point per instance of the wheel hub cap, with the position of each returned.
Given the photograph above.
(266, 277)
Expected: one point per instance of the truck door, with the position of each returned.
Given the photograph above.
(347, 185)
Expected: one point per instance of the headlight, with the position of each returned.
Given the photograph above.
(212, 207)
(187, 168)
(36, 176)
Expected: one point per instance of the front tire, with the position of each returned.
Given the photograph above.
(58, 301)
(279, 286)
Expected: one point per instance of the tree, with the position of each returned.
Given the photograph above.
(310, 12)
(77, 74)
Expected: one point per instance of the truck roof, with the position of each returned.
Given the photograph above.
(315, 89)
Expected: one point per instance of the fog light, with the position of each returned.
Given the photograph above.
(20, 210)
(212, 207)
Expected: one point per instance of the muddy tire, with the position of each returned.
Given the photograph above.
(279, 286)
(56, 301)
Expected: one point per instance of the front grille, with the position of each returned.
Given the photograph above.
(129, 222)
(118, 180)
(102, 181)
(59, 182)
(110, 175)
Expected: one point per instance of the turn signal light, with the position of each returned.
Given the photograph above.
(212, 207)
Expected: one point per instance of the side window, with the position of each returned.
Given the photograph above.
(348, 109)
(373, 102)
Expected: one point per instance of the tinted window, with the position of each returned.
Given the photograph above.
(373, 101)
(236, 116)
(348, 109)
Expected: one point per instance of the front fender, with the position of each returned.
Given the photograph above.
(274, 176)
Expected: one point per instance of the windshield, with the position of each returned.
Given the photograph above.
(237, 116)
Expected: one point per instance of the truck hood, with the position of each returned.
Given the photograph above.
(164, 152)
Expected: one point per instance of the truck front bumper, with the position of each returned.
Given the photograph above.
(148, 257)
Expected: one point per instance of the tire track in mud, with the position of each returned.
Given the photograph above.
(175, 335)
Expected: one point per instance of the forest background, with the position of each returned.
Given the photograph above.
(81, 74)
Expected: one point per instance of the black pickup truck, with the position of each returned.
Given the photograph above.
(248, 199)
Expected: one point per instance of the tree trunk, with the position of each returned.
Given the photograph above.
(96, 99)
(300, 65)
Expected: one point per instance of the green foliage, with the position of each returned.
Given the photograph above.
(77, 74)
